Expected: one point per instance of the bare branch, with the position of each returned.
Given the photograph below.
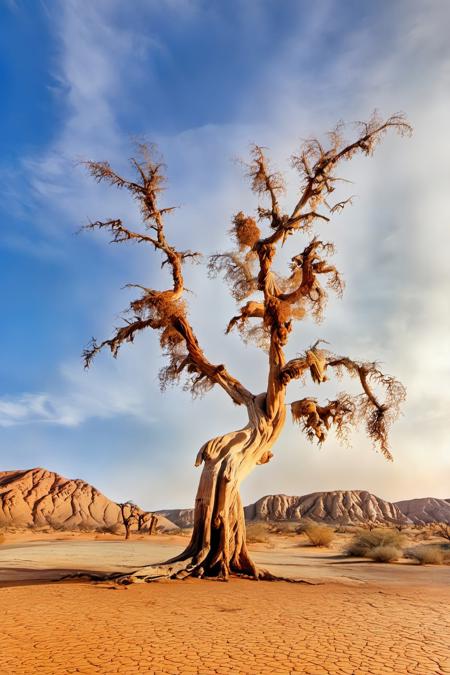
(266, 182)
(378, 417)
(164, 311)
(340, 206)
(120, 232)
(238, 272)
(315, 164)
(102, 171)
(314, 360)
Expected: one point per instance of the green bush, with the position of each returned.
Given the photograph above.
(385, 554)
(366, 540)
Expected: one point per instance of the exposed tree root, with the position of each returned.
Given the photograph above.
(179, 571)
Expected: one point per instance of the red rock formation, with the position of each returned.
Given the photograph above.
(39, 498)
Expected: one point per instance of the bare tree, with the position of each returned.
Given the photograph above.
(153, 524)
(130, 514)
(144, 518)
(272, 302)
(441, 529)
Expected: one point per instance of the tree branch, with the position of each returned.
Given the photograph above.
(316, 165)
(377, 416)
(164, 311)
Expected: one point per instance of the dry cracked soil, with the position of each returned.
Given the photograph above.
(373, 625)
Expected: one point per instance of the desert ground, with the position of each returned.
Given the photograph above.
(348, 616)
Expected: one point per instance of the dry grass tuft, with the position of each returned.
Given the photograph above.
(441, 530)
(257, 533)
(319, 534)
(2, 538)
(427, 555)
(283, 529)
(116, 528)
(384, 554)
(367, 540)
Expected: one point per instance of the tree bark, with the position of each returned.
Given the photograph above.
(218, 544)
(153, 524)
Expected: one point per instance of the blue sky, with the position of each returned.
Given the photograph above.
(203, 80)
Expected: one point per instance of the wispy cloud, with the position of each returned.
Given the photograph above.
(79, 398)
(332, 66)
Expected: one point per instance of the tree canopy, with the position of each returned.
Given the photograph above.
(273, 301)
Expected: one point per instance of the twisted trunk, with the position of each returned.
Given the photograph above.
(218, 545)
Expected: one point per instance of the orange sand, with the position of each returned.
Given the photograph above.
(211, 627)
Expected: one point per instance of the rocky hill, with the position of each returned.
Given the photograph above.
(40, 498)
(355, 506)
(180, 517)
(426, 510)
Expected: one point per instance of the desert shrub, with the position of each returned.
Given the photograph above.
(184, 531)
(442, 530)
(303, 525)
(283, 529)
(344, 529)
(2, 538)
(366, 540)
(385, 553)
(427, 555)
(115, 528)
(319, 534)
(257, 533)
(424, 533)
(57, 527)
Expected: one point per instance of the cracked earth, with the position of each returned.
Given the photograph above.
(221, 628)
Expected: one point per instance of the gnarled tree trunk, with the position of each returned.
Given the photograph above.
(218, 545)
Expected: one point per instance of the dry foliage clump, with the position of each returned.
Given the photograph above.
(428, 555)
(2, 538)
(366, 541)
(245, 230)
(441, 530)
(315, 420)
(257, 533)
(115, 529)
(283, 529)
(319, 534)
(385, 553)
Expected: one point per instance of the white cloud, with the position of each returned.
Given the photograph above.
(79, 397)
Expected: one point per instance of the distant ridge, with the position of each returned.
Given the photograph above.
(338, 506)
(345, 507)
(426, 510)
(41, 498)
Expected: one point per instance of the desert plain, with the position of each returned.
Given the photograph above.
(343, 616)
